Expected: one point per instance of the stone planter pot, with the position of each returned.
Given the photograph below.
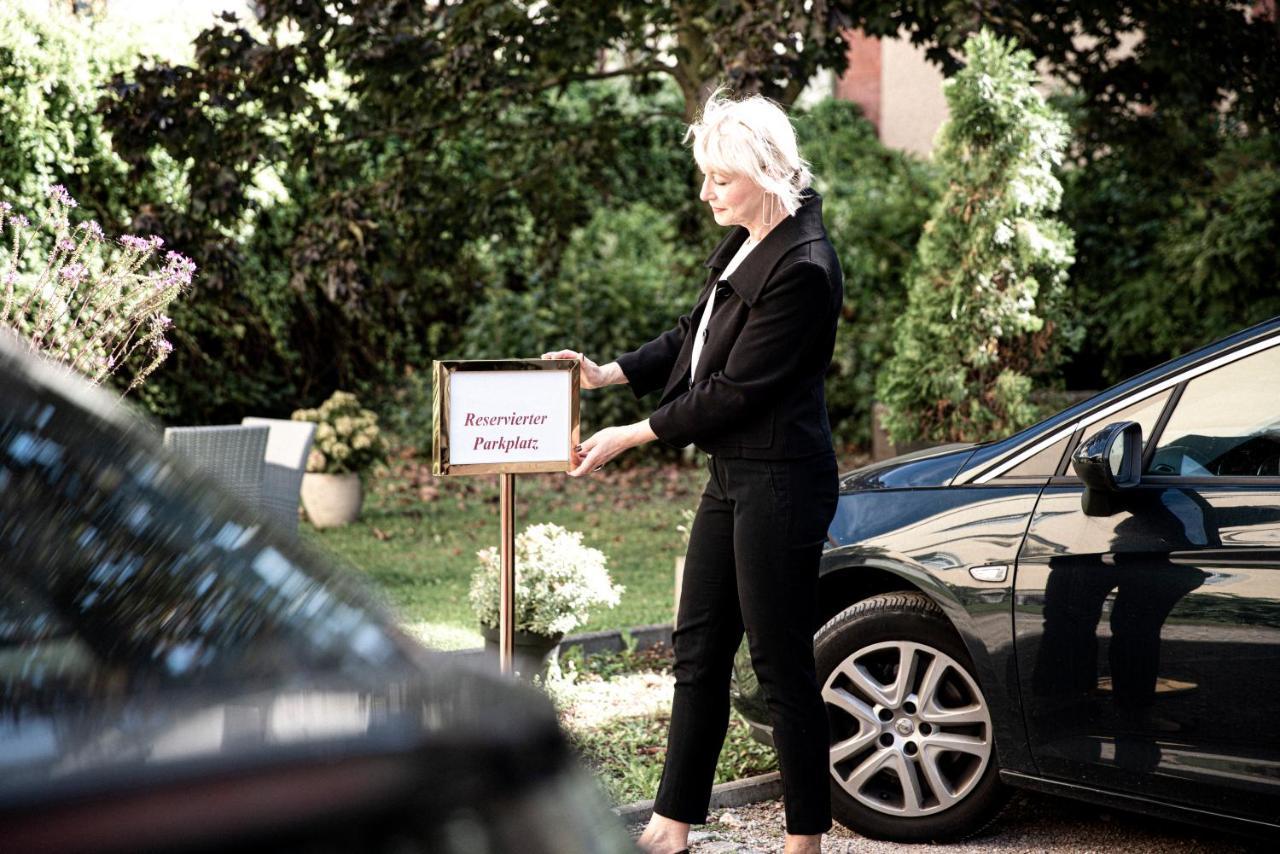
(331, 500)
(532, 653)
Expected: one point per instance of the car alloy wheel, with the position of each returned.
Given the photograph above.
(912, 753)
(921, 736)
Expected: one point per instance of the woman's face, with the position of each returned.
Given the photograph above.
(734, 199)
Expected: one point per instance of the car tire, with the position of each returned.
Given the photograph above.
(933, 727)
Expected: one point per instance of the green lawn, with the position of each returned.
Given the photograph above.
(418, 535)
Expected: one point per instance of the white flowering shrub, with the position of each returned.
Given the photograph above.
(559, 581)
(347, 437)
(987, 294)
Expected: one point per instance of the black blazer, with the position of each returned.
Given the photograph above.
(759, 389)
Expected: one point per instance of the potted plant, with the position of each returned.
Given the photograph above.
(347, 443)
(558, 582)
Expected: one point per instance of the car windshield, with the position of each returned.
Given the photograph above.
(124, 573)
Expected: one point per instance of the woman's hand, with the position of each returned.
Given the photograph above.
(592, 375)
(592, 454)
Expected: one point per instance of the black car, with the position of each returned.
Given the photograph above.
(1088, 608)
(176, 674)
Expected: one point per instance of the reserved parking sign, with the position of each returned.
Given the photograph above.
(504, 415)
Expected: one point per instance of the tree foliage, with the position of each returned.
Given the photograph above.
(1172, 106)
(50, 132)
(985, 297)
(1144, 70)
(1167, 266)
(355, 177)
(875, 201)
(623, 279)
(344, 194)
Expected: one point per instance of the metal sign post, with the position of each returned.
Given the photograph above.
(505, 417)
(507, 606)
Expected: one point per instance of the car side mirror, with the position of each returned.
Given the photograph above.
(1109, 462)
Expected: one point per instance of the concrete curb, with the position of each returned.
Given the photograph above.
(610, 640)
(737, 793)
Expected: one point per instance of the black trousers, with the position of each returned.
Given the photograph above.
(752, 564)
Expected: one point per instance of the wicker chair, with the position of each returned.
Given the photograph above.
(288, 445)
(233, 454)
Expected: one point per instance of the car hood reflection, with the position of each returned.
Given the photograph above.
(443, 709)
(935, 466)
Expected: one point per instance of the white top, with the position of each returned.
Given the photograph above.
(700, 336)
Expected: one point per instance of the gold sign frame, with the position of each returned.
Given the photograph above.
(444, 370)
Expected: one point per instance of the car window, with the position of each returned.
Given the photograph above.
(1226, 424)
(1145, 412)
(1041, 464)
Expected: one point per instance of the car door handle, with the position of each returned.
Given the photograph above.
(991, 572)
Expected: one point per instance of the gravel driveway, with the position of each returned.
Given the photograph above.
(1032, 823)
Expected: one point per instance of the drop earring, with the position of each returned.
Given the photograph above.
(768, 210)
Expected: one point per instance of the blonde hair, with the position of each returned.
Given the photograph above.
(751, 136)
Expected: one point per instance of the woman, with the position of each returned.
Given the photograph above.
(741, 377)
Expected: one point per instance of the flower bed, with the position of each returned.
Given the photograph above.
(616, 708)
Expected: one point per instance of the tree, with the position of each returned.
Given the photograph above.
(1143, 69)
(1167, 102)
(345, 198)
(347, 168)
(875, 201)
(985, 297)
(50, 133)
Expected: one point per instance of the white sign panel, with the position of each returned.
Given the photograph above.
(499, 417)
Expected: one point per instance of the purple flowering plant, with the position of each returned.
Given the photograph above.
(93, 305)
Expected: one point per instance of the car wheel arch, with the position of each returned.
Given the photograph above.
(848, 582)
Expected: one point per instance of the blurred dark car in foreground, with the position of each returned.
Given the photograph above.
(1088, 608)
(174, 674)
